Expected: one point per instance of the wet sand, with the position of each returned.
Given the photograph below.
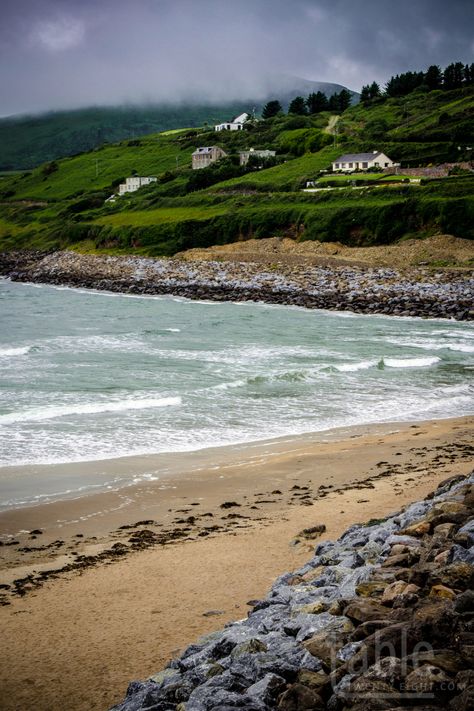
(215, 533)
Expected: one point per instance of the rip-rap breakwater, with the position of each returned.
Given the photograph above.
(379, 619)
(418, 292)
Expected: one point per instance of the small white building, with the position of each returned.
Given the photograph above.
(205, 155)
(245, 155)
(235, 124)
(134, 183)
(362, 161)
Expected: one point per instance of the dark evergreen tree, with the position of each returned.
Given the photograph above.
(459, 74)
(334, 103)
(365, 94)
(403, 84)
(345, 98)
(374, 90)
(453, 76)
(272, 108)
(433, 77)
(297, 106)
(469, 74)
(317, 102)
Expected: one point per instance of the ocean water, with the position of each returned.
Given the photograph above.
(89, 375)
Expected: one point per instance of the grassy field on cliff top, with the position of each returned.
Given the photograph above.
(62, 204)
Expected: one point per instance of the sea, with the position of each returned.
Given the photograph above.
(89, 375)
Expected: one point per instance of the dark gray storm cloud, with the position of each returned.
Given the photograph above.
(68, 53)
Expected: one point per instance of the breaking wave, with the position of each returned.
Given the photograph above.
(92, 408)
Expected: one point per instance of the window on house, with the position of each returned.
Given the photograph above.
(350, 165)
(365, 165)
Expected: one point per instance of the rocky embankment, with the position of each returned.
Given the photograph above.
(417, 292)
(383, 618)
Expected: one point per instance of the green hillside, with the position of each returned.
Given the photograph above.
(62, 204)
(28, 141)
(422, 127)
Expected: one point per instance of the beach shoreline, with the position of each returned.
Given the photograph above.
(142, 587)
(179, 496)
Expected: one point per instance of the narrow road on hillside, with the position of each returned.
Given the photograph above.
(332, 124)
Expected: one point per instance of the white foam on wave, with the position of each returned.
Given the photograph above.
(91, 408)
(352, 367)
(173, 330)
(411, 362)
(431, 345)
(230, 386)
(461, 347)
(7, 352)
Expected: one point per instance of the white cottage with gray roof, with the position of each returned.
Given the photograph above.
(362, 161)
(235, 124)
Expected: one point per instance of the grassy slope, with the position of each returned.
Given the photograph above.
(28, 141)
(293, 171)
(97, 169)
(419, 128)
(31, 140)
(161, 219)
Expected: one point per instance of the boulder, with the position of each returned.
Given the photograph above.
(446, 659)
(395, 589)
(425, 679)
(325, 644)
(417, 529)
(316, 681)
(442, 591)
(363, 610)
(300, 698)
(459, 576)
(465, 602)
(252, 646)
(388, 669)
(367, 628)
(267, 689)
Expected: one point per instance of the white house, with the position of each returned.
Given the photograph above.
(245, 155)
(205, 155)
(134, 183)
(362, 161)
(235, 124)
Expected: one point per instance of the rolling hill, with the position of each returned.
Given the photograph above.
(62, 204)
(28, 141)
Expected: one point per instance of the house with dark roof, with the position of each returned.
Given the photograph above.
(205, 155)
(362, 161)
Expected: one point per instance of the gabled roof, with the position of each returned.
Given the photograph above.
(204, 149)
(351, 157)
(241, 118)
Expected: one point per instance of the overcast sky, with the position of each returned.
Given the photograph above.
(69, 53)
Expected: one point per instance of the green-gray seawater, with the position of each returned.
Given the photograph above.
(91, 375)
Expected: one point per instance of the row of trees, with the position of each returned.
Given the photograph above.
(454, 76)
(312, 104)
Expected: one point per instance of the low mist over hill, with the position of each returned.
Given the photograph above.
(28, 141)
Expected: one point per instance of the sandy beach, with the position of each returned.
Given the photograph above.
(113, 585)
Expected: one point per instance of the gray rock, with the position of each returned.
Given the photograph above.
(267, 689)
